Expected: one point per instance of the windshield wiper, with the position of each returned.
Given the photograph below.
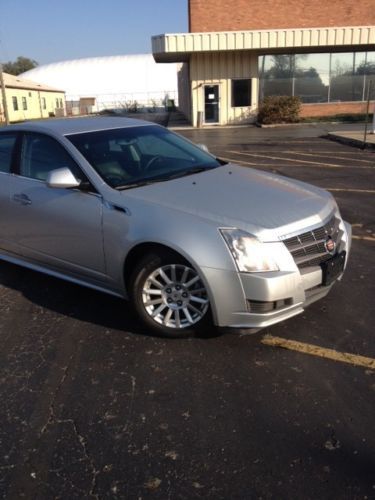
(190, 171)
(136, 184)
(181, 173)
(142, 182)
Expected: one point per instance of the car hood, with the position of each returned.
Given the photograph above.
(265, 204)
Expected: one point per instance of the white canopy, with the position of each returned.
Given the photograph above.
(111, 80)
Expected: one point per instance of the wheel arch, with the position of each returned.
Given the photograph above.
(142, 249)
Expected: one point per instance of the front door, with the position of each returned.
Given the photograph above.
(59, 228)
(211, 104)
(7, 145)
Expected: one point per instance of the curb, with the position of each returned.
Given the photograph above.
(300, 124)
(351, 141)
(277, 125)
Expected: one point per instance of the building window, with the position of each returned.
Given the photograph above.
(44, 104)
(24, 103)
(15, 103)
(241, 93)
(57, 103)
(317, 78)
(61, 103)
(311, 77)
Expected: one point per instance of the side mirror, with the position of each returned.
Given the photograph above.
(62, 178)
(203, 147)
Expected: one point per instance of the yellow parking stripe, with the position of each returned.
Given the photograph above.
(321, 164)
(314, 350)
(365, 238)
(352, 190)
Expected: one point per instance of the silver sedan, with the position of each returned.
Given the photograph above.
(134, 210)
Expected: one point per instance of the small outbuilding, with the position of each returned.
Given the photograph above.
(28, 100)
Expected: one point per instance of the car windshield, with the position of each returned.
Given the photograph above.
(134, 156)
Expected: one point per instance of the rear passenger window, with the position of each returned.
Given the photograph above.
(7, 142)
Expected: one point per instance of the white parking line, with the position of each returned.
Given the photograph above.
(243, 162)
(320, 164)
(236, 161)
(272, 165)
(334, 158)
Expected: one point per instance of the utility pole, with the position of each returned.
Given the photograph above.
(5, 104)
(367, 112)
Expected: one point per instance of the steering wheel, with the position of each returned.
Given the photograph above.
(114, 178)
(151, 162)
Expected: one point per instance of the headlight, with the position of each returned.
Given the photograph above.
(250, 254)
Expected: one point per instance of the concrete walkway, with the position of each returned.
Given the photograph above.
(351, 134)
(355, 138)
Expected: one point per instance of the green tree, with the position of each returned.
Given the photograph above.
(20, 65)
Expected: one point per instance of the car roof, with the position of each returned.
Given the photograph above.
(66, 126)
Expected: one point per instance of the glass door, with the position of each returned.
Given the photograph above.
(211, 104)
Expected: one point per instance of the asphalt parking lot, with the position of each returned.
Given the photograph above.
(93, 407)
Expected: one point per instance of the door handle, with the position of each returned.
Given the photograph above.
(22, 198)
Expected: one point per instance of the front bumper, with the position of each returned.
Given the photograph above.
(258, 300)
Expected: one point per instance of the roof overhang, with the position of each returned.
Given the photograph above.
(178, 47)
(15, 82)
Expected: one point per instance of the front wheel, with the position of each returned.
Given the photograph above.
(169, 296)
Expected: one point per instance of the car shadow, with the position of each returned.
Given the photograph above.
(69, 299)
(75, 301)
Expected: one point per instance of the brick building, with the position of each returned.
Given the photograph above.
(239, 51)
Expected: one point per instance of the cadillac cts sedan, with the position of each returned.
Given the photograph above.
(134, 210)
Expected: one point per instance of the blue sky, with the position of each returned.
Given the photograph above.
(49, 31)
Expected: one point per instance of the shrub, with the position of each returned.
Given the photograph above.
(279, 109)
(132, 106)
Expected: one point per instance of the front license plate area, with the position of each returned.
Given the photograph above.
(332, 268)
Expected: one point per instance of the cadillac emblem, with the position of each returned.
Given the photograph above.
(329, 245)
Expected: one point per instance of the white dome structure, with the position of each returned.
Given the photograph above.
(113, 81)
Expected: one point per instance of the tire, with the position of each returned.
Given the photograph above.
(169, 296)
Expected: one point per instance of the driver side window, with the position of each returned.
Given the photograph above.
(40, 154)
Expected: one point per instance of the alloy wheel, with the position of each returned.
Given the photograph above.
(175, 296)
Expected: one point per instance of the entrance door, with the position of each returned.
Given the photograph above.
(211, 104)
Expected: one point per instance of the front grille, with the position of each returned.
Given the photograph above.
(308, 249)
